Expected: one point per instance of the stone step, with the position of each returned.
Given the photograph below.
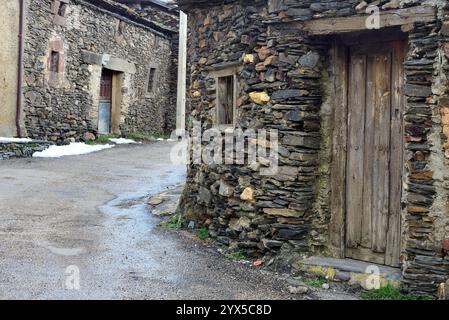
(353, 271)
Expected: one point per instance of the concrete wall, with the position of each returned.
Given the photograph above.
(9, 25)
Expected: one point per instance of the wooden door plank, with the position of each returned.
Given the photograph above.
(368, 156)
(339, 147)
(381, 150)
(356, 121)
(396, 162)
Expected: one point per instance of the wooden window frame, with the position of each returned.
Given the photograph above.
(229, 72)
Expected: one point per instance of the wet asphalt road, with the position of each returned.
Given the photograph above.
(88, 214)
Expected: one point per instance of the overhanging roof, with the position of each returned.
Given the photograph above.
(170, 6)
(118, 9)
(202, 3)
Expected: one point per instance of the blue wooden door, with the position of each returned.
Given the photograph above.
(104, 117)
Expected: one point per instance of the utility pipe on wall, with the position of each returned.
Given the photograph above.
(20, 68)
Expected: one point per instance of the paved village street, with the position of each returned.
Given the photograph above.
(317, 134)
(90, 212)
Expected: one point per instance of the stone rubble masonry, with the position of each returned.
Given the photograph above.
(22, 149)
(282, 85)
(94, 35)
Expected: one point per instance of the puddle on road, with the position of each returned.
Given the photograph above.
(132, 245)
(128, 204)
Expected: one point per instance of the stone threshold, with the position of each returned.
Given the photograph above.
(353, 271)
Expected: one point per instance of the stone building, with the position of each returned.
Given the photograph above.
(89, 66)
(358, 93)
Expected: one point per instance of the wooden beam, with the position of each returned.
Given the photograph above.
(393, 18)
(339, 147)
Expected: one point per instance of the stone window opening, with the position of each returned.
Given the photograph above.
(120, 32)
(59, 10)
(62, 10)
(226, 100)
(54, 65)
(121, 28)
(151, 83)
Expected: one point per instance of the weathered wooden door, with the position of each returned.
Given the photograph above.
(105, 107)
(375, 151)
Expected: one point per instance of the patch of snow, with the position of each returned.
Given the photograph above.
(160, 139)
(70, 150)
(123, 141)
(14, 140)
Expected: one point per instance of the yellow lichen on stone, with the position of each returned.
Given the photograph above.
(270, 60)
(248, 195)
(248, 58)
(365, 281)
(327, 272)
(259, 97)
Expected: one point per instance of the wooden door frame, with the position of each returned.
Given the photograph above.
(116, 101)
(337, 230)
(340, 59)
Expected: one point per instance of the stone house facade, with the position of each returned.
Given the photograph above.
(358, 93)
(89, 67)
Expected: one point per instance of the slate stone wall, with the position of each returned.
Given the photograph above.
(423, 264)
(288, 215)
(22, 150)
(67, 109)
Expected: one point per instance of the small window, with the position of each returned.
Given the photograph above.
(62, 10)
(54, 65)
(121, 28)
(59, 11)
(225, 100)
(151, 80)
